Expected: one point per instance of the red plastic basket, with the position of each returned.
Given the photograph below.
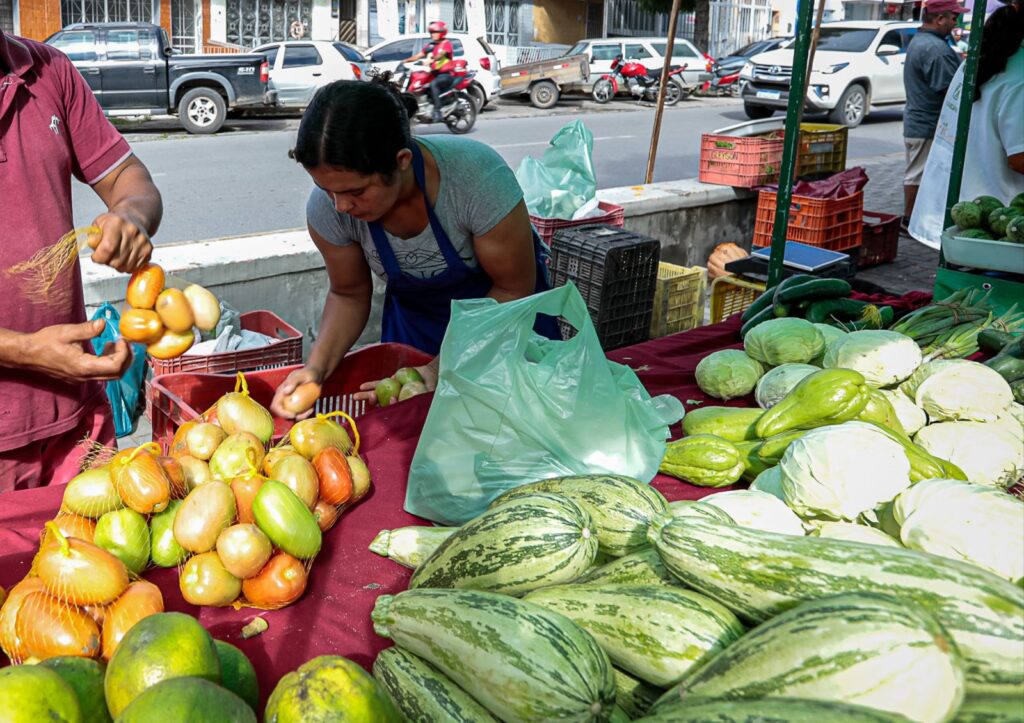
(881, 241)
(740, 161)
(546, 227)
(833, 224)
(180, 398)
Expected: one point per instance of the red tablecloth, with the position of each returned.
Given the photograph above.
(333, 617)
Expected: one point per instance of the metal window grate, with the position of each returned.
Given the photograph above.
(254, 22)
(106, 11)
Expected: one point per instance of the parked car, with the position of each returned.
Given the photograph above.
(299, 67)
(858, 67)
(133, 70)
(734, 62)
(649, 51)
(477, 51)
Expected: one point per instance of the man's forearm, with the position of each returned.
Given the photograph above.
(12, 348)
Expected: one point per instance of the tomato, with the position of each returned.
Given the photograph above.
(9, 640)
(48, 628)
(145, 286)
(71, 525)
(286, 520)
(360, 477)
(175, 474)
(205, 307)
(171, 345)
(174, 310)
(312, 435)
(196, 472)
(206, 511)
(335, 476)
(92, 493)
(140, 600)
(245, 488)
(205, 581)
(203, 439)
(141, 325)
(243, 549)
(295, 472)
(179, 445)
(239, 454)
(80, 572)
(326, 515)
(281, 582)
(140, 480)
(274, 455)
(302, 398)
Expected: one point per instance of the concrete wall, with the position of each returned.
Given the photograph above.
(559, 21)
(283, 272)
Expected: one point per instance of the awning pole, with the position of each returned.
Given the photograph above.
(660, 107)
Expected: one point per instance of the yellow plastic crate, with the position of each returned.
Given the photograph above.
(731, 295)
(678, 299)
(822, 149)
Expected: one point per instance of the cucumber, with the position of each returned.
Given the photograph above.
(528, 542)
(633, 696)
(519, 660)
(760, 574)
(861, 648)
(993, 340)
(813, 289)
(735, 424)
(422, 693)
(410, 546)
(643, 567)
(771, 710)
(991, 709)
(761, 303)
(654, 632)
(840, 309)
(758, 318)
(620, 507)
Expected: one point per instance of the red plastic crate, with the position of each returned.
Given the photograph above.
(881, 239)
(833, 224)
(740, 161)
(546, 227)
(180, 398)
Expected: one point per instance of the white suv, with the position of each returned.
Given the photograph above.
(858, 66)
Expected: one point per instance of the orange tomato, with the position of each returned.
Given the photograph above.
(140, 481)
(48, 628)
(244, 549)
(275, 455)
(335, 476)
(245, 489)
(80, 573)
(96, 612)
(141, 599)
(281, 582)
(175, 474)
(296, 473)
(179, 444)
(9, 640)
(174, 310)
(326, 515)
(302, 399)
(145, 286)
(360, 477)
(171, 344)
(71, 525)
(141, 325)
(205, 581)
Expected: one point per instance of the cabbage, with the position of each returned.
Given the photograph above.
(854, 533)
(728, 374)
(911, 416)
(959, 390)
(840, 471)
(784, 341)
(963, 521)
(769, 481)
(1013, 421)
(777, 382)
(831, 333)
(987, 453)
(758, 511)
(883, 357)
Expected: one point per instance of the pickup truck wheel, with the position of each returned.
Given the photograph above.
(544, 95)
(757, 112)
(202, 110)
(852, 107)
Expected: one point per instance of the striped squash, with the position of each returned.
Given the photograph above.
(520, 661)
(655, 632)
(759, 574)
(529, 542)
(410, 546)
(634, 697)
(643, 567)
(690, 508)
(772, 710)
(863, 649)
(991, 709)
(621, 507)
(423, 693)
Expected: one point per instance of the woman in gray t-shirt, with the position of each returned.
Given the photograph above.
(437, 218)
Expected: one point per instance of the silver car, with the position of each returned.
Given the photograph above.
(298, 68)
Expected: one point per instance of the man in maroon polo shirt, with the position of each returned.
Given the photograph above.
(52, 128)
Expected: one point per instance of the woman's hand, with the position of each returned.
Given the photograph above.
(299, 376)
(367, 392)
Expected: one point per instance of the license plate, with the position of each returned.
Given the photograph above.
(772, 94)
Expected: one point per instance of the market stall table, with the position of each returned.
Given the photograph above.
(333, 617)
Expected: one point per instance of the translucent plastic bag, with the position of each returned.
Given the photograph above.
(563, 179)
(123, 393)
(512, 407)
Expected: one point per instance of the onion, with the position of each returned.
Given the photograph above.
(141, 325)
(244, 550)
(203, 439)
(174, 310)
(145, 286)
(205, 307)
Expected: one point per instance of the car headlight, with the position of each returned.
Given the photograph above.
(747, 71)
(833, 68)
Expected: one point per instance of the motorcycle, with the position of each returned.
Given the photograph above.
(458, 111)
(726, 81)
(641, 82)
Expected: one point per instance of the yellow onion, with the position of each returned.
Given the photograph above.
(297, 474)
(203, 439)
(238, 454)
(174, 310)
(205, 581)
(92, 493)
(206, 511)
(244, 550)
(171, 345)
(310, 436)
(196, 471)
(205, 307)
(360, 477)
(140, 480)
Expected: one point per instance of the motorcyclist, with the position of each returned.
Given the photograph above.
(442, 62)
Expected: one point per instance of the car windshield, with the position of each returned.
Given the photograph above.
(751, 49)
(846, 40)
(349, 53)
(578, 49)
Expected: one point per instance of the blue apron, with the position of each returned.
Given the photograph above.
(417, 311)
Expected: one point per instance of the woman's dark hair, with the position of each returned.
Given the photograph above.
(355, 125)
(1004, 33)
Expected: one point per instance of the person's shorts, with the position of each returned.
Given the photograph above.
(917, 155)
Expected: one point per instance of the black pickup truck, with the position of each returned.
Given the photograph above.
(133, 70)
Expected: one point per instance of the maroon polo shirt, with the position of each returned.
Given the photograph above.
(51, 128)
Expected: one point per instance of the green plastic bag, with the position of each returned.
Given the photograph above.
(564, 179)
(512, 407)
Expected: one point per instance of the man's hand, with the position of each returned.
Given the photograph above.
(59, 352)
(124, 244)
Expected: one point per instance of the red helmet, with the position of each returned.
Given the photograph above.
(438, 27)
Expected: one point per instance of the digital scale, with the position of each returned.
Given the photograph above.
(799, 259)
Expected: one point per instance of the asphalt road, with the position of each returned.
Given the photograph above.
(241, 181)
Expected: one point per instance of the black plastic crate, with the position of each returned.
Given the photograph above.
(616, 272)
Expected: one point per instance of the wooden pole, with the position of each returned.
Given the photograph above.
(660, 107)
